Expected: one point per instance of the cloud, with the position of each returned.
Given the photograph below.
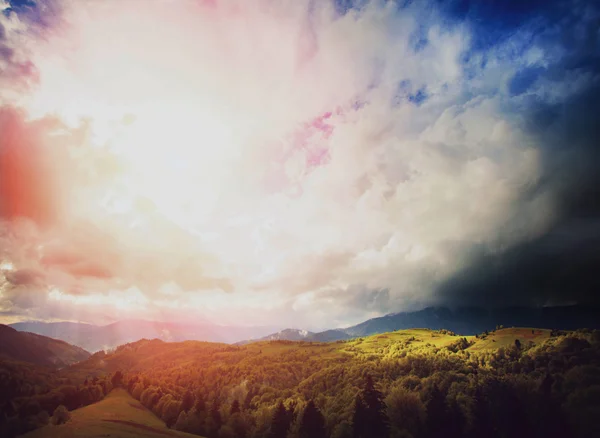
(313, 163)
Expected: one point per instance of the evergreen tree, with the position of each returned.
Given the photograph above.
(214, 419)
(376, 423)
(249, 396)
(200, 404)
(117, 378)
(482, 419)
(235, 407)
(436, 414)
(552, 422)
(312, 423)
(280, 422)
(188, 401)
(360, 427)
(182, 422)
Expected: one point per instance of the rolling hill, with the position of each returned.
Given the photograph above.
(117, 416)
(37, 349)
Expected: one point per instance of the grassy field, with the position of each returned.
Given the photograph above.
(117, 416)
(412, 340)
(506, 338)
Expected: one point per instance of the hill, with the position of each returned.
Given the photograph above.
(506, 372)
(117, 416)
(94, 338)
(38, 350)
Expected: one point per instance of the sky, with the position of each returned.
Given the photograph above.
(306, 164)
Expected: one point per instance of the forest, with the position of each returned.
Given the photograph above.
(410, 383)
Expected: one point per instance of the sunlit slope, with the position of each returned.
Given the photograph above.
(148, 354)
(507, 337)
(117, 416)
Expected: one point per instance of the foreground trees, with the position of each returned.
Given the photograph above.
(312, 423)
(370, 418)
(402, 391)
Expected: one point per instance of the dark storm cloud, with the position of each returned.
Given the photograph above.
(560, 267)
(561, 103)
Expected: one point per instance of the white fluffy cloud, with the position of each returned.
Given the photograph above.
(275, 161)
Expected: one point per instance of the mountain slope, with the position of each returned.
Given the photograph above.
(463, 320)
(473, 320)
(284, 335)
(37, 349)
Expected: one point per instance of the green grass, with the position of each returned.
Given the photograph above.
(117, 416)
(506, 338)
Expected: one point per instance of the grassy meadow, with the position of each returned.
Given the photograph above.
(118, 415)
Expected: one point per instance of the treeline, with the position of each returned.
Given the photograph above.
(300, 390)
(32, 396)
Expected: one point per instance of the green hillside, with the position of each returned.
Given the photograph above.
(431, 383)
(507, 338)
(117, 416)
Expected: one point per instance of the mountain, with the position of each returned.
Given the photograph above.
(37, 349)
(330, 336)
(463, 320)
(95, 338)
(284, 335)
(473, 320)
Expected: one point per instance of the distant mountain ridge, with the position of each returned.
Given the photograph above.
(37, 349)
(463, 320)
(94, 337)
(285, 335)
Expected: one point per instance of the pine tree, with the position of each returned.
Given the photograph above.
(436, 413)
(235, 407)
(214, 420)
(360, 427)
(200, 405)
(249, 396)
(482, 418)
(117, 378)
(280, 422)
(182, 422)
(188, 401)
(375, 411)
(312, 423)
